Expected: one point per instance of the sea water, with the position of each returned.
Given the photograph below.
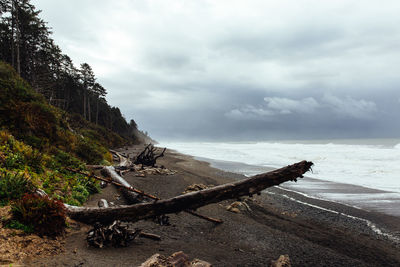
(369, 164)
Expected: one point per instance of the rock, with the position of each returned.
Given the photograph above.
(200, 263)
(154, 261)
(237, 206)
(102, 203)
(103, 184)
(178, 259)
(282, 261)
(196, 187)
(233, 209)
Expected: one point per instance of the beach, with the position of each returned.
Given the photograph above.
(313, 232)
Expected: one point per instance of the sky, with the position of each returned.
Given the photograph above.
(241, 70)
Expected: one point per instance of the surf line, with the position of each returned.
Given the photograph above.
(370, 224)
(318, 198)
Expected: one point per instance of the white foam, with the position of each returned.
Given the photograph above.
(373, 166)
(313, 197)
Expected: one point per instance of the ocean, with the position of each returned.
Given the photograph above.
(363, 173)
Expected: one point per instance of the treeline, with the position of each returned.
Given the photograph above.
(26, 44)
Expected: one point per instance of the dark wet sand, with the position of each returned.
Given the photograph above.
(276, 225)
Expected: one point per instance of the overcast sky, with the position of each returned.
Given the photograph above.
(241, 70)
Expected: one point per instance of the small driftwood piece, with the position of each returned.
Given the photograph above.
(148, 156)
(95, 167)
(191, 201)
(150, 236)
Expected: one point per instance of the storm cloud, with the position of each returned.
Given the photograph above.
(241, 70)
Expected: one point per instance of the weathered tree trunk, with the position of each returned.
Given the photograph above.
(89, 111)
(18, 38)
(84, 101)
(97, 111)
(12, 33)
(193, 200)
(130, 196)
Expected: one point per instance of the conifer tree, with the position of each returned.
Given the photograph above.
(88, 81)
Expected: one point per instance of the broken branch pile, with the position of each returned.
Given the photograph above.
(143, 171)
(115, 234)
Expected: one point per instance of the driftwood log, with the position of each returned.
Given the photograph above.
(139, 194)
(190, 201)
(134, 196)
(148, 157)
(131, 196)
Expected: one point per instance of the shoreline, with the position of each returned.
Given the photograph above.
(378, 220)
(355, 196)
(275, 225)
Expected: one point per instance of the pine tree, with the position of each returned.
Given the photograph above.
(99, 92)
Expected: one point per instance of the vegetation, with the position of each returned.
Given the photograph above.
(24, 169)
(38, 145)
(40, 213)
(13, 186)
(53, 117)
(14, 224)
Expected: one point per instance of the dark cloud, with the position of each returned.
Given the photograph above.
(237, 70)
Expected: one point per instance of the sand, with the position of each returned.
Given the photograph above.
(318, 233)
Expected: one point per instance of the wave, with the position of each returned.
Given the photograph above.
(372, 166)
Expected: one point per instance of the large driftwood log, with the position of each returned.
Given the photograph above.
(193, 200)
(141, 194)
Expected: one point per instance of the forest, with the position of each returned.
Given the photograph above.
(27, 45)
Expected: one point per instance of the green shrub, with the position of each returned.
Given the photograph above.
(91, 185)
(35, 161)
(80, 193)
(14, 161)
(33, 141)
(89, 152)
(13, 186)
(13, 224)
(44, 215)
(63, 159)
(73, 202)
